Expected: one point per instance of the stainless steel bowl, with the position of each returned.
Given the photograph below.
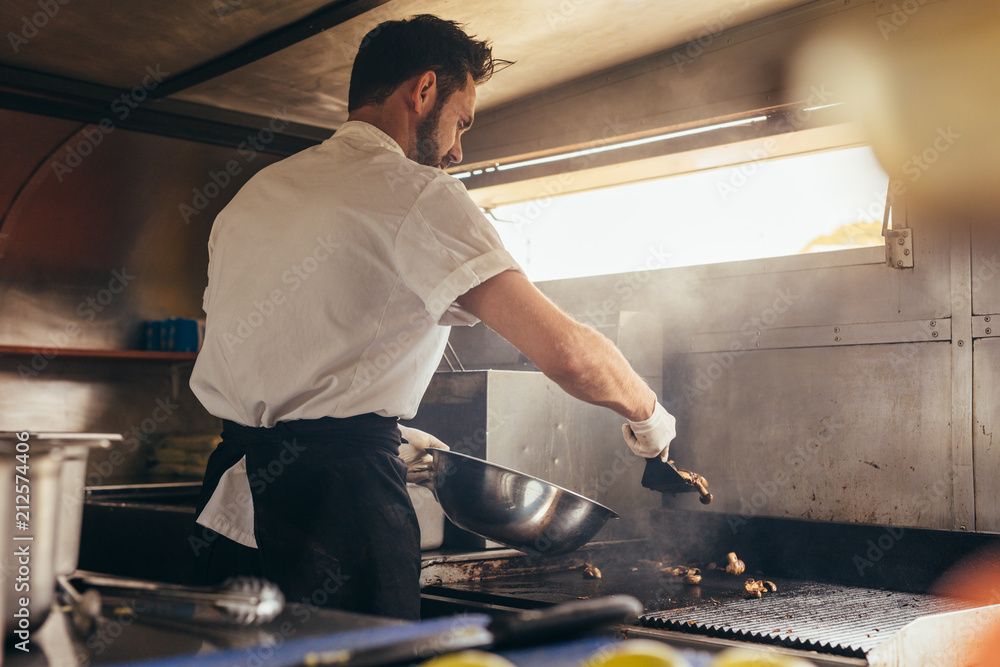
(513, 508)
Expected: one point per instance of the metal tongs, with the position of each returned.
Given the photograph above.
(240, 601)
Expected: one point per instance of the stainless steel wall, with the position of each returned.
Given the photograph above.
(95, 238)
(828, 386)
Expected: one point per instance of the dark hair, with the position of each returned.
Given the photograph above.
(396, 51)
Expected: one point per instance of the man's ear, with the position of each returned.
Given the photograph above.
(424, 93)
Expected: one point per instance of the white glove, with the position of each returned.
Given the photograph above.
(413, 451)
(651, 437)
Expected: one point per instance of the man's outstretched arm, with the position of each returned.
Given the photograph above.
(582, 361)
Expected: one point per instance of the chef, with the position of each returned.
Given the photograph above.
(334, 278)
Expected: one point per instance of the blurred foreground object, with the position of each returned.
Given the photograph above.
(977, 579)
(923, 79)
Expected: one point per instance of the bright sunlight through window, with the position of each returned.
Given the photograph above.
(810, 203)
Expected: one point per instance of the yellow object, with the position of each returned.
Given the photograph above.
(741, 657)
(637, 653)
(469, 659)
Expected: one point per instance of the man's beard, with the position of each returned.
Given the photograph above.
(428, 151)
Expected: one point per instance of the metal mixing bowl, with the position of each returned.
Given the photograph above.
(513, 508)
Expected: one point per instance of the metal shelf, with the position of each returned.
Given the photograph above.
(148, 355)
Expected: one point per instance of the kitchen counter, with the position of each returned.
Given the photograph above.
(127, 638)
(288, 640)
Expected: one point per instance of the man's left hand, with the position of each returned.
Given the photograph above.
(414, 453)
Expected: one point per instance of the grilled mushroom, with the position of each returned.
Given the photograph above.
(678, 571)
(734, 565)
(698, 482)
(755, 589)
(693, 577)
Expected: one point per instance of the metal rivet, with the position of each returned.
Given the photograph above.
(904, 233)
(899, 263)
(836, 330)
(837, 339)
(756, 344)
(934, 334)
(901, 241)
(933, 323)
(961, 343)
(906, 251)
(986, 319)
(987, 330)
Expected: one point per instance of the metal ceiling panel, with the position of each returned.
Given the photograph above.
(112, 43)
(553, 42)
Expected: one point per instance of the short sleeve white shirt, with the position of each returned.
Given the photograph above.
(333, 279)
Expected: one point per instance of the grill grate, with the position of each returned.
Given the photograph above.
(830, 619)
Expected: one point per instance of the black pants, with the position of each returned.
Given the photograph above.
(332, 519)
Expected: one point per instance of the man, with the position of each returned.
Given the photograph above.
(334, 277)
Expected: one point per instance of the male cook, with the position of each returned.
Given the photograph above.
(334, 278)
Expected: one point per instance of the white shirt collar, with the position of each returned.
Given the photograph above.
(358, 129)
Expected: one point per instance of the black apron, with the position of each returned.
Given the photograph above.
(332, 518)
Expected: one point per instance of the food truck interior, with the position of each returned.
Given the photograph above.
(839, 405)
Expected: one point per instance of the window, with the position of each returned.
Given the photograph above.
(806, 203)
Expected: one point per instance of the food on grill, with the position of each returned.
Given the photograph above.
(734, 565)
(697, 481)
(691, 575)
(756, 589)
(678, 571)
(589, 570)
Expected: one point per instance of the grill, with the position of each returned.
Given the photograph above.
(826, 618)
(829, 604)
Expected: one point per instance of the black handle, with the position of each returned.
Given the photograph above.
(404, 652)
(529, 627)
(564, 620)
